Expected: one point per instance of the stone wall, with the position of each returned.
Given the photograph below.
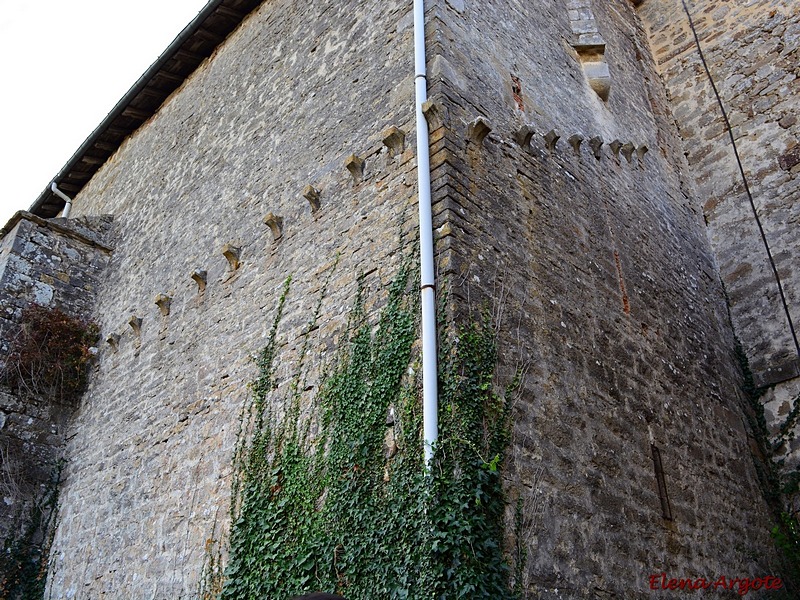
(593, 251)
(32, 434)
(589, 247)
(57, 264)
(282, 105)
(751, 49)
(51, 262)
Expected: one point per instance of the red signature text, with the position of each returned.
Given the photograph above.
(742, 585)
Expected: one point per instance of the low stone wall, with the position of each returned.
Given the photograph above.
(52, 264)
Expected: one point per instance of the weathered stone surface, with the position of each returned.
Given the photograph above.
(575, 141)
(32, 435)
(311, 194)
(598, 76)
(200, 277)
(275, 223)
(778, 404)
(751, 51)
(599, 272)
(55, 263)
(279, 107)
(355, 164)
(611, 304)
(596, 143)
(524, 135)
(478, 129)
(394, 139)
(551, 139)
(163, 302)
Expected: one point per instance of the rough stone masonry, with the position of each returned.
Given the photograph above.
(751, 51)
(53, 263)
(566, 205)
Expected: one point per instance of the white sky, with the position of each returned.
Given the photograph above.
(64, 64)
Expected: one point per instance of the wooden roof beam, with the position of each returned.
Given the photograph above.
(93, 160)
(80, 176)
(209, 35)
(229, 12)
(118, 132)
(182, 54)
(69, 188)
(135, 113)
(171, 77)
(105, 147)
(151, 91)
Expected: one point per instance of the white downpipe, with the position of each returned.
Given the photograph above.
(430, 396)
(64, 197)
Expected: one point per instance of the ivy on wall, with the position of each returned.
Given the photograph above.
(780, 489)
(335, 496)
(786, 532)
(47, 361)
(24, 557)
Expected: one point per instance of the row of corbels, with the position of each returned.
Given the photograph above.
(393, 139)
(164, 301)
(478, 129)
(437, 116)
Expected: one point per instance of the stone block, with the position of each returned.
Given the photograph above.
(478, 129)
(598, 76)
(275, 223)
(311, 194)
(524, 135)
(551, 139)
(395, 140)
(163, 301)
(233, 255)
(575, 141)
(596, 144)
(355, 165)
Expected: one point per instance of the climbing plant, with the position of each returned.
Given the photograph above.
(786, 532)
(779, 488)
(24, 554)
(47, 360)
(334, 495)
(49, 355)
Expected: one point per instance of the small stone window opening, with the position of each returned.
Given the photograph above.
(666, 509)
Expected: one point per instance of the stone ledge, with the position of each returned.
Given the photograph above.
(22, 215)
